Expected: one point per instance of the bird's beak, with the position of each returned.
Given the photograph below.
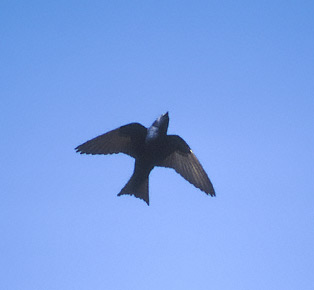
(162, 122)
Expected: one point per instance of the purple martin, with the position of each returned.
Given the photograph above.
(150, 147)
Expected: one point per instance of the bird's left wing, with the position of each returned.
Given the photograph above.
(127, 139)
(179, 156)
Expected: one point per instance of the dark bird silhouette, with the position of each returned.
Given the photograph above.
(150, 147)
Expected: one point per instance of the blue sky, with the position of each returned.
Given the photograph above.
(237, 78)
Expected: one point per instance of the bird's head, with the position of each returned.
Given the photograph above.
(162, 123)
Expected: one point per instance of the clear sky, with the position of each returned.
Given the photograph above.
(237, 78)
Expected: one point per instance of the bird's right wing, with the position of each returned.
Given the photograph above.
(127, 139)
(179, 156)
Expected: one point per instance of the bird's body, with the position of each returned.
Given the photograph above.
(150, 147)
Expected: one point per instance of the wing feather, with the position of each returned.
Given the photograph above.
(127, 139)
(179, 156)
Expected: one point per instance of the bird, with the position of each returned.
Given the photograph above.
(150, 147)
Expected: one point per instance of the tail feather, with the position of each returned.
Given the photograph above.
(136, 187)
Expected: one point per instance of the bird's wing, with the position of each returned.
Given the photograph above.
(179, 156)
(127, 139)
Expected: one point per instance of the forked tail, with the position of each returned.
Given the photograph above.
(137, 187)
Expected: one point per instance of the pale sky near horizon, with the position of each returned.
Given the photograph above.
(237, 78)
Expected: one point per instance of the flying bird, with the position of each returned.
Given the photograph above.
(150, 147)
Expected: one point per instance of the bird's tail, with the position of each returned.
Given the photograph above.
(137, 187)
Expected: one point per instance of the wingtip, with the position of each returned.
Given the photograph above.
(212, 192)
(78, 149)
(208, 190)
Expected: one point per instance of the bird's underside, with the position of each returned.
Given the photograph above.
(150, 149)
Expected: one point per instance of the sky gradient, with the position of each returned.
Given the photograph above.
(237, 78)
